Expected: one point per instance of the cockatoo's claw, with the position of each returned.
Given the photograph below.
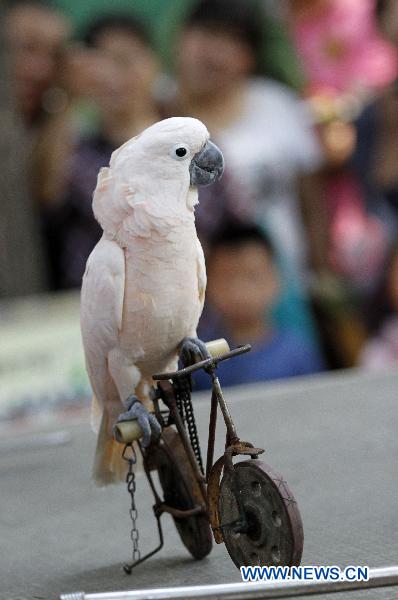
(147, 421)
(193, 350)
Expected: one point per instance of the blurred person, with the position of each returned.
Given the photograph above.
(117, 70)
(264, 132)
(125, 73)
(37, 34)
(270, 148)
(276, 53)
(381, 350)
(34, 36)
(242, 288)
(347, 62)
(376, 156)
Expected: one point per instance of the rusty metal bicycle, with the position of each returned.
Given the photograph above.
(242, 503)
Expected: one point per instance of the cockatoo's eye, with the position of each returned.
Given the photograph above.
(179, 152)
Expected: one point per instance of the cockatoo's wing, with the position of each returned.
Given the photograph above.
(201, 270)
(101, 321)
(102, 312)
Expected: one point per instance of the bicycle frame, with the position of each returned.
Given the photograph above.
(218, 488)
(233, 445)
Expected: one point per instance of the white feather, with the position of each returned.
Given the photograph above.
(144, 286)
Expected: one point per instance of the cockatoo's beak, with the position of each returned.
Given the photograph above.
(207, 165)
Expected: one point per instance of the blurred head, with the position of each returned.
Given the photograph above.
(242, 277)
(387, 14)
(36, 34)
(128, 64)
(392, 280)
(219, 45)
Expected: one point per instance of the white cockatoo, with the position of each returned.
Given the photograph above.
(144, 285)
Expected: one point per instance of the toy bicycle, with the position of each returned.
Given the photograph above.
(245, 504)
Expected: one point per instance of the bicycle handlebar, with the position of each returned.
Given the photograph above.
(203, 364)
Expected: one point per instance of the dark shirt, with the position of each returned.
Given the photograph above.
(70, 227)
(382, 202)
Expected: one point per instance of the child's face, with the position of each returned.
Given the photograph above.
(242, 282)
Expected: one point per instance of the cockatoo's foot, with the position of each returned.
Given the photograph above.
(193, 350)
(147, 421)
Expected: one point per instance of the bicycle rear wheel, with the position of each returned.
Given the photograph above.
(182, 491)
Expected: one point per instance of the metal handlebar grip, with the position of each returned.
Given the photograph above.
(128, 431)
(217, 347)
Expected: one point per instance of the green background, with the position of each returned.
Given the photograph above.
(163, 18)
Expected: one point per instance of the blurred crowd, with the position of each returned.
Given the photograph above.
(300, 235)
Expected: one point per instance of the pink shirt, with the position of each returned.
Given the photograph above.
(341, 49)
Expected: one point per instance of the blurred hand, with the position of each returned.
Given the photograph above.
(338, 140)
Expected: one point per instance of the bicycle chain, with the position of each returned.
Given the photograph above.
(185, 408)
(131, 488)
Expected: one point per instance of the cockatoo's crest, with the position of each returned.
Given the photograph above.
(147, 185)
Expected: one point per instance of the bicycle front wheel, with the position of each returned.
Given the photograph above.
(274, 530)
